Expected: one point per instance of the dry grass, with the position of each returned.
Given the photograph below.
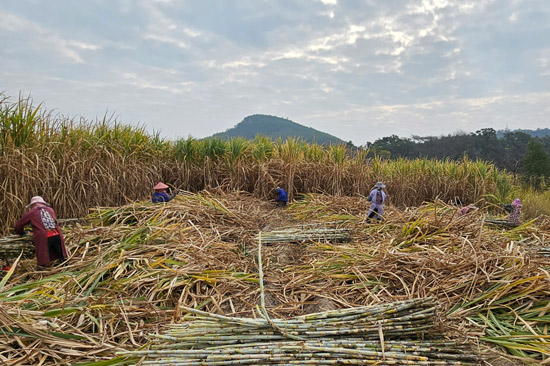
(132, 269)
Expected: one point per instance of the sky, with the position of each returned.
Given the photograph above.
(357, 69)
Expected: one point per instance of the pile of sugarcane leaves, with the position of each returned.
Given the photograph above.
(142, 273)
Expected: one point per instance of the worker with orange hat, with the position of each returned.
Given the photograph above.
(160, 195)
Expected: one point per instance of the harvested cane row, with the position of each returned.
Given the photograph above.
(134, 269)
(346, 336)
(300, 234)
(358, 336)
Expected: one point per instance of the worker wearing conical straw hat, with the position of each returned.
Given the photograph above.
(47, 237)
(376, 197)
(160, 195)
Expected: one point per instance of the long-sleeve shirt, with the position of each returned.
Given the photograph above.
(373, 195)
(40, 233)
(160, 197)
(281, 195)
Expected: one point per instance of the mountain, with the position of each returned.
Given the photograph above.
(275, 127)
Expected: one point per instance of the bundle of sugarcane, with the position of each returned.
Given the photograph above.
(501, 222)
(296, 234)
(403, 318)
(347, 336)
(353, 351)
(11, 246)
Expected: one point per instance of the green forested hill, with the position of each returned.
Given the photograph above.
(275, 127)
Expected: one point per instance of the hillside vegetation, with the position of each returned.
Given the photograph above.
(275, 128)
(511, 150)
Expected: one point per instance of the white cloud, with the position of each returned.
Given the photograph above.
(42, 39)
(342, 67)
(166, 39)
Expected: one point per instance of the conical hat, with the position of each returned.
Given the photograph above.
(160, 185)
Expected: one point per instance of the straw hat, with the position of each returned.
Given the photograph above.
(37, 199)
(160, 186)
(380, 185)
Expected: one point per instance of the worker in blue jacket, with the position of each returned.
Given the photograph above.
(282, 197)
(160, 195)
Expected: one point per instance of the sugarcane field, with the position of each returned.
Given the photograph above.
(211, 252)
(227, 278)
(283, 182)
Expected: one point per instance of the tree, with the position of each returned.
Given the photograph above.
(488, 146)
(398, 147)
(515, 144)
(536, 163)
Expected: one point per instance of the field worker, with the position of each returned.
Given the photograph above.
(46, 233)
(515, 212)
(160, 195)
(466, 210)
(376, 197)
(282, 197)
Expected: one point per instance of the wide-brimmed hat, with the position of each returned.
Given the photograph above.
(37, 199)
(159, 186)
(516, 202)
(380, 185)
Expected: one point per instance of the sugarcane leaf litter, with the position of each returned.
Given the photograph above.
(179, 283)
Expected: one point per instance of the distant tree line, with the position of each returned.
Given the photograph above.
(516, 151)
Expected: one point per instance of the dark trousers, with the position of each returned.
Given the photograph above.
(54, 248)
(372, 215)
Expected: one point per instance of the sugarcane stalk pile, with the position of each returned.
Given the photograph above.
(545, 251)
(501, 222)
(298, 234)
(11, 247)
(322, 352)
(350, 336)
(358, 335)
